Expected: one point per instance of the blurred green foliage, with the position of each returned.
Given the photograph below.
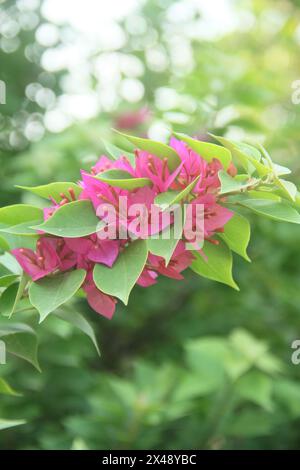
(190, 364)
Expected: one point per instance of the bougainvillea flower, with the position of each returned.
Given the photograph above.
(136, 215)
(40, 263)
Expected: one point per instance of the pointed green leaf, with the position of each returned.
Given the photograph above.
(53, 190)
(122, 179)
(18, 213)
(277, 210)
(120, 279)
(169, 198)
(281, 170)
(4, 246)
(9, 423)
(19, 218)
(21, 287)
(248, 156)
(6, 389)
(207, 150)
(7, 299)
(13, 241)
(8, 279)
(20, 340)
(255, 387)
(158, 149)
(260, 194)
(79, 322)
(116, 152)
(236, 235)
(76, 219)
(11, 296)
(9, 262)
(289, 189)
(217, 266)
(165, 247)
(230, 184)
(24, 229)
(50, 293)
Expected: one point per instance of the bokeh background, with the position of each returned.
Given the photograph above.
(188, 364)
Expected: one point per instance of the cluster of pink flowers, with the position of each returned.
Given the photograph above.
(54, 254)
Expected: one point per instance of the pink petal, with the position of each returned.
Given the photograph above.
(27, 260)
(147, 278)
(105, 251)
(79, 245)
(100, 302)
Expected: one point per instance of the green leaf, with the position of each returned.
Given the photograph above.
(249, 423)
(76, 219)
(169, 198)
(53, 190)
(19, 218)
(288, 188)
(20, 340)
(158, 149)
(236, 235)
(207, 150)
(21, 287)
(24, 229)
(165, 247)
(277, 210)
(116, 152)
(280, 170)
(7, 280)
(79, 322)
(9, 262)
(248, 156)
(13, 241)
(204, 360)
(255, 387)
(229, 184)
(5, 389)
(7, 300)
(255, 352)
(50, 293)
(287, 393)
(259, 194)
(120, 279)
(4, 246)
(218, 265)
(122, 179)
(6, 423)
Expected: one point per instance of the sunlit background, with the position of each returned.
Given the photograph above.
(74, 70)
